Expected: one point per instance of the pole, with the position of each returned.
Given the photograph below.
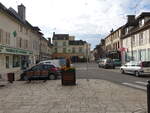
(148, 96)
(87, 58)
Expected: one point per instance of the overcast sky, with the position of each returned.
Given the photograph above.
(88, 20)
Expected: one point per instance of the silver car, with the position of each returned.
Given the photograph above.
(136, 68)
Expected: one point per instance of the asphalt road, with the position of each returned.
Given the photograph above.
(92, 71)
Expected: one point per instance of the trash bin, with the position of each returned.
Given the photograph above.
(11, 77)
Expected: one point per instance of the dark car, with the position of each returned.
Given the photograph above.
(106, 63)
(117, 62)
(41, 71)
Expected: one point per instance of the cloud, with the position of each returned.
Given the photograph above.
(79, 16)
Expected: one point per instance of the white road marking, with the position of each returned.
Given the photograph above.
(134, 85)
(143, 83)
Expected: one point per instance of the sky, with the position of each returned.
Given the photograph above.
(89, 20)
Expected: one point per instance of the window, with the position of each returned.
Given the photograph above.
(73, 50)
(20, 28)
(64, 43)
(7, 38)
(141, 22)
(141, 38)
(149, 35)
(36, 68)
(80, 49)
(55, 43)
(7, 61)
(64, 50)
(26, 31)
(48, 66)
(26, 44)
(133, 40)
(1, 36)
(20, 42)
(55, 50)
(16, 61)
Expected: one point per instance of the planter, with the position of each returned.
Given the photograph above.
(11, 77)
(68, 78)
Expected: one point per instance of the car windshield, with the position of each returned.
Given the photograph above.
(74, 56)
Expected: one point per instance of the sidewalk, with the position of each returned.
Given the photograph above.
(88, 96)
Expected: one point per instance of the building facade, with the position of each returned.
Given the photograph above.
(113, 44)
(136, 38)
(65, 46)
(19, 40)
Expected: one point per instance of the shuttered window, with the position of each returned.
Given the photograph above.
(1, 36)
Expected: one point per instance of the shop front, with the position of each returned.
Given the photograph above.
(13, 59)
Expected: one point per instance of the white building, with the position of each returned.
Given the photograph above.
(136, 38)
(19, 40)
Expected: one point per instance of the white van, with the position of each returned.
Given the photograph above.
(57, 62)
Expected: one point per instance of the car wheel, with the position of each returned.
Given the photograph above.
(137, 74)
(52, 77)
(122, 71)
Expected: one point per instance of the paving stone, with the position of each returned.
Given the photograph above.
(92, 96)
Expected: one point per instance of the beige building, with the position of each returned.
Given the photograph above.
(66, 46)
(136, 38)
(113, 43)
(45, 49)
(19, 40)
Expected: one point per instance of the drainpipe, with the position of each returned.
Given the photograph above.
(132, 48)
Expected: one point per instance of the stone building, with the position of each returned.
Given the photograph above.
(65, 46)
(19, 40)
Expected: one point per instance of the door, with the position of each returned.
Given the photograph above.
(44, 71)
(36, 70)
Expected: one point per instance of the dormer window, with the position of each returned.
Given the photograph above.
(126, 30)
(141, 22)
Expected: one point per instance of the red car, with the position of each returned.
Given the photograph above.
(39, 71)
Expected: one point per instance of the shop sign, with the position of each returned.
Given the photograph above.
(4, 49)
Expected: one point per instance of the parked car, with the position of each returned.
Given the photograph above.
(106, 63)
(117, 62)
(48, 71)
(136, 68)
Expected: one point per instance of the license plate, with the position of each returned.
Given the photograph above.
(146, 70)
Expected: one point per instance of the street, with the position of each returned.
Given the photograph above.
(112, 75)
(94, 92)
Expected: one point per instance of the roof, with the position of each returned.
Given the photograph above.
(113, 32)
(60, 36)
(15, 15)
(77, 42)
(144, 14)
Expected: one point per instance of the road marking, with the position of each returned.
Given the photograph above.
(143, 83)
(134, 85)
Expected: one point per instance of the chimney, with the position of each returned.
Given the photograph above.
(22, 12)
(131, 19)
(111, 31)
(53, 33)
(49, 40)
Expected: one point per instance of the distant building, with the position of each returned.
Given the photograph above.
(113, 44)
(65, 46)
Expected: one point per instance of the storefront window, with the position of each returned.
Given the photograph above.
(16, 61)
(149, 54)
(7, 61)
(135, 55)
(142, 55)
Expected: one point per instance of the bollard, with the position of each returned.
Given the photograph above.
(148, 96)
